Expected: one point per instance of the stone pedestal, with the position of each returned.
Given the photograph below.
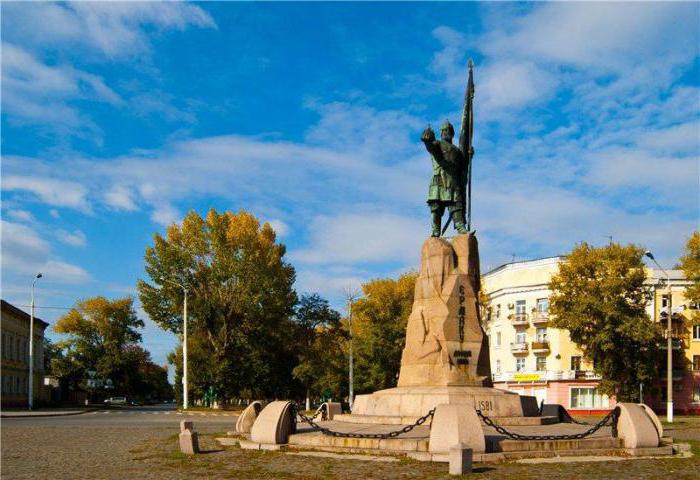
(446, 356)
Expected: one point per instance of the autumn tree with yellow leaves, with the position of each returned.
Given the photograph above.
(240, 298)
(100, 351)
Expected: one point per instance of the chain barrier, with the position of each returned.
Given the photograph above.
(380, 436)
(610, 418)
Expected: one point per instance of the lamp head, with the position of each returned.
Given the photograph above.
(39, 275)
(649, 254)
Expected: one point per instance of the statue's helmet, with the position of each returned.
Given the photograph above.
(447, 127)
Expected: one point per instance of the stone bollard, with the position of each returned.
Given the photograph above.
(189, 444)
(460, 459)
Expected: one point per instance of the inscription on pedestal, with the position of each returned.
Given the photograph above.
(462, 312)
(462, 357)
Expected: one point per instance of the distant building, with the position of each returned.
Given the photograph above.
(532, 358)
(14, 326)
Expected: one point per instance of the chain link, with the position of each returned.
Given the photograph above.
(610, 418)
(380, 436)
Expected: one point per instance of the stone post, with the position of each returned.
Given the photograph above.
(189, 444)
(460, 459)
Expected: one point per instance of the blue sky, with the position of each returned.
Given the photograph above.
(117, 118)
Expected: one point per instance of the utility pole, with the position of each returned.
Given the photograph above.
(185, 385)
(350, 295)
(669, 343)
(30, 397)
(185, 396)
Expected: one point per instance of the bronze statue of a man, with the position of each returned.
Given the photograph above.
(451, 184)
(448, 181)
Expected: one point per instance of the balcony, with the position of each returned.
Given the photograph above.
(540, 318)
(519, 319)
(541, 346)
(678, 341)
(518, 348)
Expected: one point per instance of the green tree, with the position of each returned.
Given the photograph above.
(320, 339)
(379, 331)
(99, 333)
(240, 298)
(690, 264)
(599, 296)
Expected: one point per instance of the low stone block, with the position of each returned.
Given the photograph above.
(247, 418)
(455, 424)
(186, 425)
(274, 424)
(189, 444)
(333, 409)
(460, 459)
(654, 418)
(636, 428)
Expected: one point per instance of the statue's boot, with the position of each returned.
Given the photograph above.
(437, 227)
(458, 221)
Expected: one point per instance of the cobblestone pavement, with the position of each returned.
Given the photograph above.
(104, 447)
(100, 451)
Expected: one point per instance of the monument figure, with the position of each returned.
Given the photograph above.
(450, 185)
(446, 356)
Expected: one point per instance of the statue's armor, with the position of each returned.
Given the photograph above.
(448, 168)
(447, 183)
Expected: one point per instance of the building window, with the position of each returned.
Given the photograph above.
(498, 366)
(696, 394)
(519, 364)
(498, 311)
(541, 363)
(576, 363)
(520, 306)
(542, 305)
(664, 301)
(696, 363)
(541, 334)
(520, 337)
(498, 339)
(696, 332)
(587, 397)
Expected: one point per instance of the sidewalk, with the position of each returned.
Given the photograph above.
(58, 412)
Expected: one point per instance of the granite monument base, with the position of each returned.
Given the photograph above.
(417, 401)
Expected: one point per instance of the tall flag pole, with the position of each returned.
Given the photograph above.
(465, 144)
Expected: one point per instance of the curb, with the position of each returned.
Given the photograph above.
(50, 414)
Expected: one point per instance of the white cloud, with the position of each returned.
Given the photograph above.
(513, 85)
(76, 238)
(26, 253)
(281, 228)
(597, 35)
(114, 29)
(21, 215)
(359, 238)
(165, 214)
(60, 193)
(39, 93)
(54, 213)
(36, 92)
(120, 197)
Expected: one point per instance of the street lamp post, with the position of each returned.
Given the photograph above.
(669, 344)
(350, 367)
(185, 396)
(30, 396)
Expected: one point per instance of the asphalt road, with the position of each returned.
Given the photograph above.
(155, 415)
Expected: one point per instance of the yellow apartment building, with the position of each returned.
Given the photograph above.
(532, 358)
